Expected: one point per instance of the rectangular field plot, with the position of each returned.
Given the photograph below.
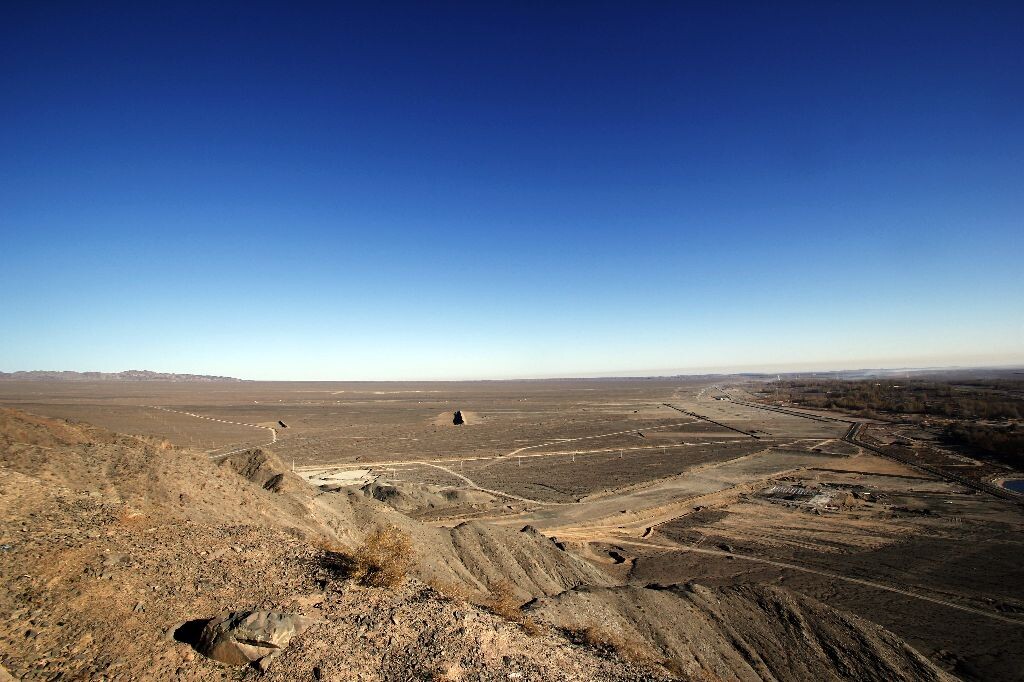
(334, 436)
(557, 478)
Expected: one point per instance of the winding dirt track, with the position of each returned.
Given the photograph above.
(674, 547)
(562, 441)
(273, 431)
(472, 484)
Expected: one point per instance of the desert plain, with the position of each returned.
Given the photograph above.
(655, 481)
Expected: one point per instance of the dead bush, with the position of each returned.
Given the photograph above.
(502, 602)
(532, 627)
(704, 675)
(676, 669)
(626, 648)
(453, 591)
(381, 560)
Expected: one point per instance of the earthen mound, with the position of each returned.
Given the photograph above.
(533, 564)
(750, 632)
(414, 498)
(264, 469)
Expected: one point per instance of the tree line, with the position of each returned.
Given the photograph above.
(976, 414)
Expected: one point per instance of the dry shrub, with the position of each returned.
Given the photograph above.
(627, 649)
(674, 667)
(678, 670)
(502, 602)
(702, 675)
(532, 627)
(383, 558)
(166, 445)
(453, 591)
(327, 545)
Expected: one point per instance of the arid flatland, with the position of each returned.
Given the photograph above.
(654, 481)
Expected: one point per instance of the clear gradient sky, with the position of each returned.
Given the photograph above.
(468, 190)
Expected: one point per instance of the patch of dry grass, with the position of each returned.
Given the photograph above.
(674, 667)
(382, 559)
(500, 601)
(626, 648)
(454, 591)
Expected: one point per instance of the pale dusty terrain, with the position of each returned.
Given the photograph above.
(639, 482)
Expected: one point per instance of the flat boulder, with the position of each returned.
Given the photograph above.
(244, 637)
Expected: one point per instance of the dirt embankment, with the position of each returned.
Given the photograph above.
(419, 499)
(747, 633)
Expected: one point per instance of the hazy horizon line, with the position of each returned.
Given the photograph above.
(735, 370)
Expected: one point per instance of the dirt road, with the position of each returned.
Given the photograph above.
(273, 431)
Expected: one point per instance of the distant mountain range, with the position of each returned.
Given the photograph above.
(129, 375)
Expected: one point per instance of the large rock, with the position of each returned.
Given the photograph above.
(264, 469)
(244, 637)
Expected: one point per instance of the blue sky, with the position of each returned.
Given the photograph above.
(469, 190)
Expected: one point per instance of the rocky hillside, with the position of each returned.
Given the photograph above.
(472, 557)
(748, 633)
(109, 546)
(123, 558)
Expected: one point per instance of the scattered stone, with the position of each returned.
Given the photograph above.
(306, 601)
(113, 559)
(217, 553)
